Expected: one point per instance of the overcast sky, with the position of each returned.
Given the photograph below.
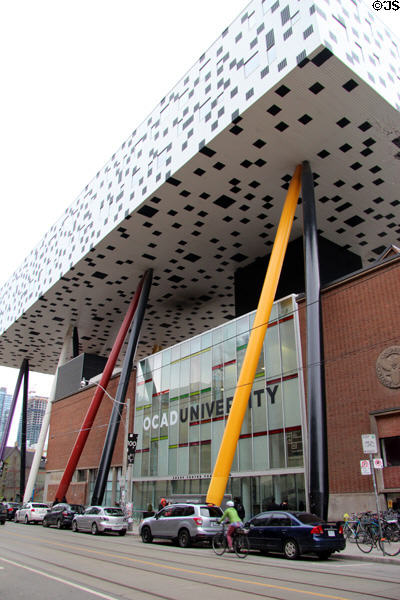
(77, 77)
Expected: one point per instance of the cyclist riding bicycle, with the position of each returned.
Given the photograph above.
(231, 515)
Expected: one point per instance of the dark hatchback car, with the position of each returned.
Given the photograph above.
(61, 515)
(294, 533)
(12, 507)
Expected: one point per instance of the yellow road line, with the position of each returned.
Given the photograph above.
(193, 572)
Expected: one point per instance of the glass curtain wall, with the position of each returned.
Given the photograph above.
(183, 398)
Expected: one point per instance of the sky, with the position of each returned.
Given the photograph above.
(77, 78)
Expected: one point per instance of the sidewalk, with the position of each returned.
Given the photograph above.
(351, 552)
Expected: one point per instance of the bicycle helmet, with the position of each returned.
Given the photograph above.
(230, 503)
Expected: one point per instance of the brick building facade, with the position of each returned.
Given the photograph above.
(66, 420)
(360, 321)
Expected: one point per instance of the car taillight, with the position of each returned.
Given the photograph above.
(32, 510)
(340, 530)
(317, 530)
(64, 513)
(198, 521)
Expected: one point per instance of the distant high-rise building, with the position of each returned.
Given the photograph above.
(34, 418)
(5, 404)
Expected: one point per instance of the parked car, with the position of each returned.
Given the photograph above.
(183, 523)
(101, 519)
(62, 515)
(31, 512)
(294, 533)
(3, 513)
(11, 509)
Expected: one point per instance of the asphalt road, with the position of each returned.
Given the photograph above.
(38, 563)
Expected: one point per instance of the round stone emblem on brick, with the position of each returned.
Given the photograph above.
(388, 367)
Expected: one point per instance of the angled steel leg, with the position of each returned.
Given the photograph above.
(233, 426)
(7, 428)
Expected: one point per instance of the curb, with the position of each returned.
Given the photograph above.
(391, 560)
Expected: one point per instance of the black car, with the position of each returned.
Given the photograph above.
(12, 507)
(3, 513)
(294, 533)
(61, 515)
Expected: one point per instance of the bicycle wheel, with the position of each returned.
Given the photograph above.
(241, 545)
(219, 543)
(364, 541)
(390, 542)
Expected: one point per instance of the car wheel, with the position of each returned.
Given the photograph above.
(291, 549)
(59, 524)
(94, 529)
(122, 532)
(324, 555)
(26, 520)
(184, 538)
(147, 537)
(2, 522)
(45, 523)
(74, 526)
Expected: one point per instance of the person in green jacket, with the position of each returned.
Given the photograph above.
(231, 515)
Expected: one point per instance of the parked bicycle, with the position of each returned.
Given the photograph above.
(386, 537)
(350, 528)
(240, 542)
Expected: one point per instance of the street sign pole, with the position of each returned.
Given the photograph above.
(370, 447)
(371, 460)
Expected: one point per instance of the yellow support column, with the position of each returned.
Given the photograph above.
(230, 438)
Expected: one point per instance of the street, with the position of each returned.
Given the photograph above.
(37, 563)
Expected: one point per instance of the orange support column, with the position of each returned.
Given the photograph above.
(230, 438)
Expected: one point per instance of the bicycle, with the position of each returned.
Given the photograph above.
(351, 529)
(369, 536)
(240, 542)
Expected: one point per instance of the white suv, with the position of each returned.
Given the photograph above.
(31, 512)
(183, 523)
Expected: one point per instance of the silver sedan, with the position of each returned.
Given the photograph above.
(100, 519)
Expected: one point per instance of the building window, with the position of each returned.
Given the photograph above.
(390, 449)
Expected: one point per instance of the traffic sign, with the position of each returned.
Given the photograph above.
(378, 463)
(369, 443)
(131, 449)
(365, 467)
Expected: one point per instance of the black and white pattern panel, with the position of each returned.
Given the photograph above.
(196, 190)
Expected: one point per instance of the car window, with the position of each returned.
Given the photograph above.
(260, 521)
(92, 510)
(279, 521)
(37, 505)
(309, 518)
(77, 508)
(188, 511)
(166, 512)
(114, 512)
(210, 511)
(178, 511)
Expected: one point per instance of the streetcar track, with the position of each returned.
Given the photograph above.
(142, 566)
(285, 565)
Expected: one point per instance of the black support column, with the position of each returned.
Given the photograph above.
(112, 431)
(23, 431)
(316, 401)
